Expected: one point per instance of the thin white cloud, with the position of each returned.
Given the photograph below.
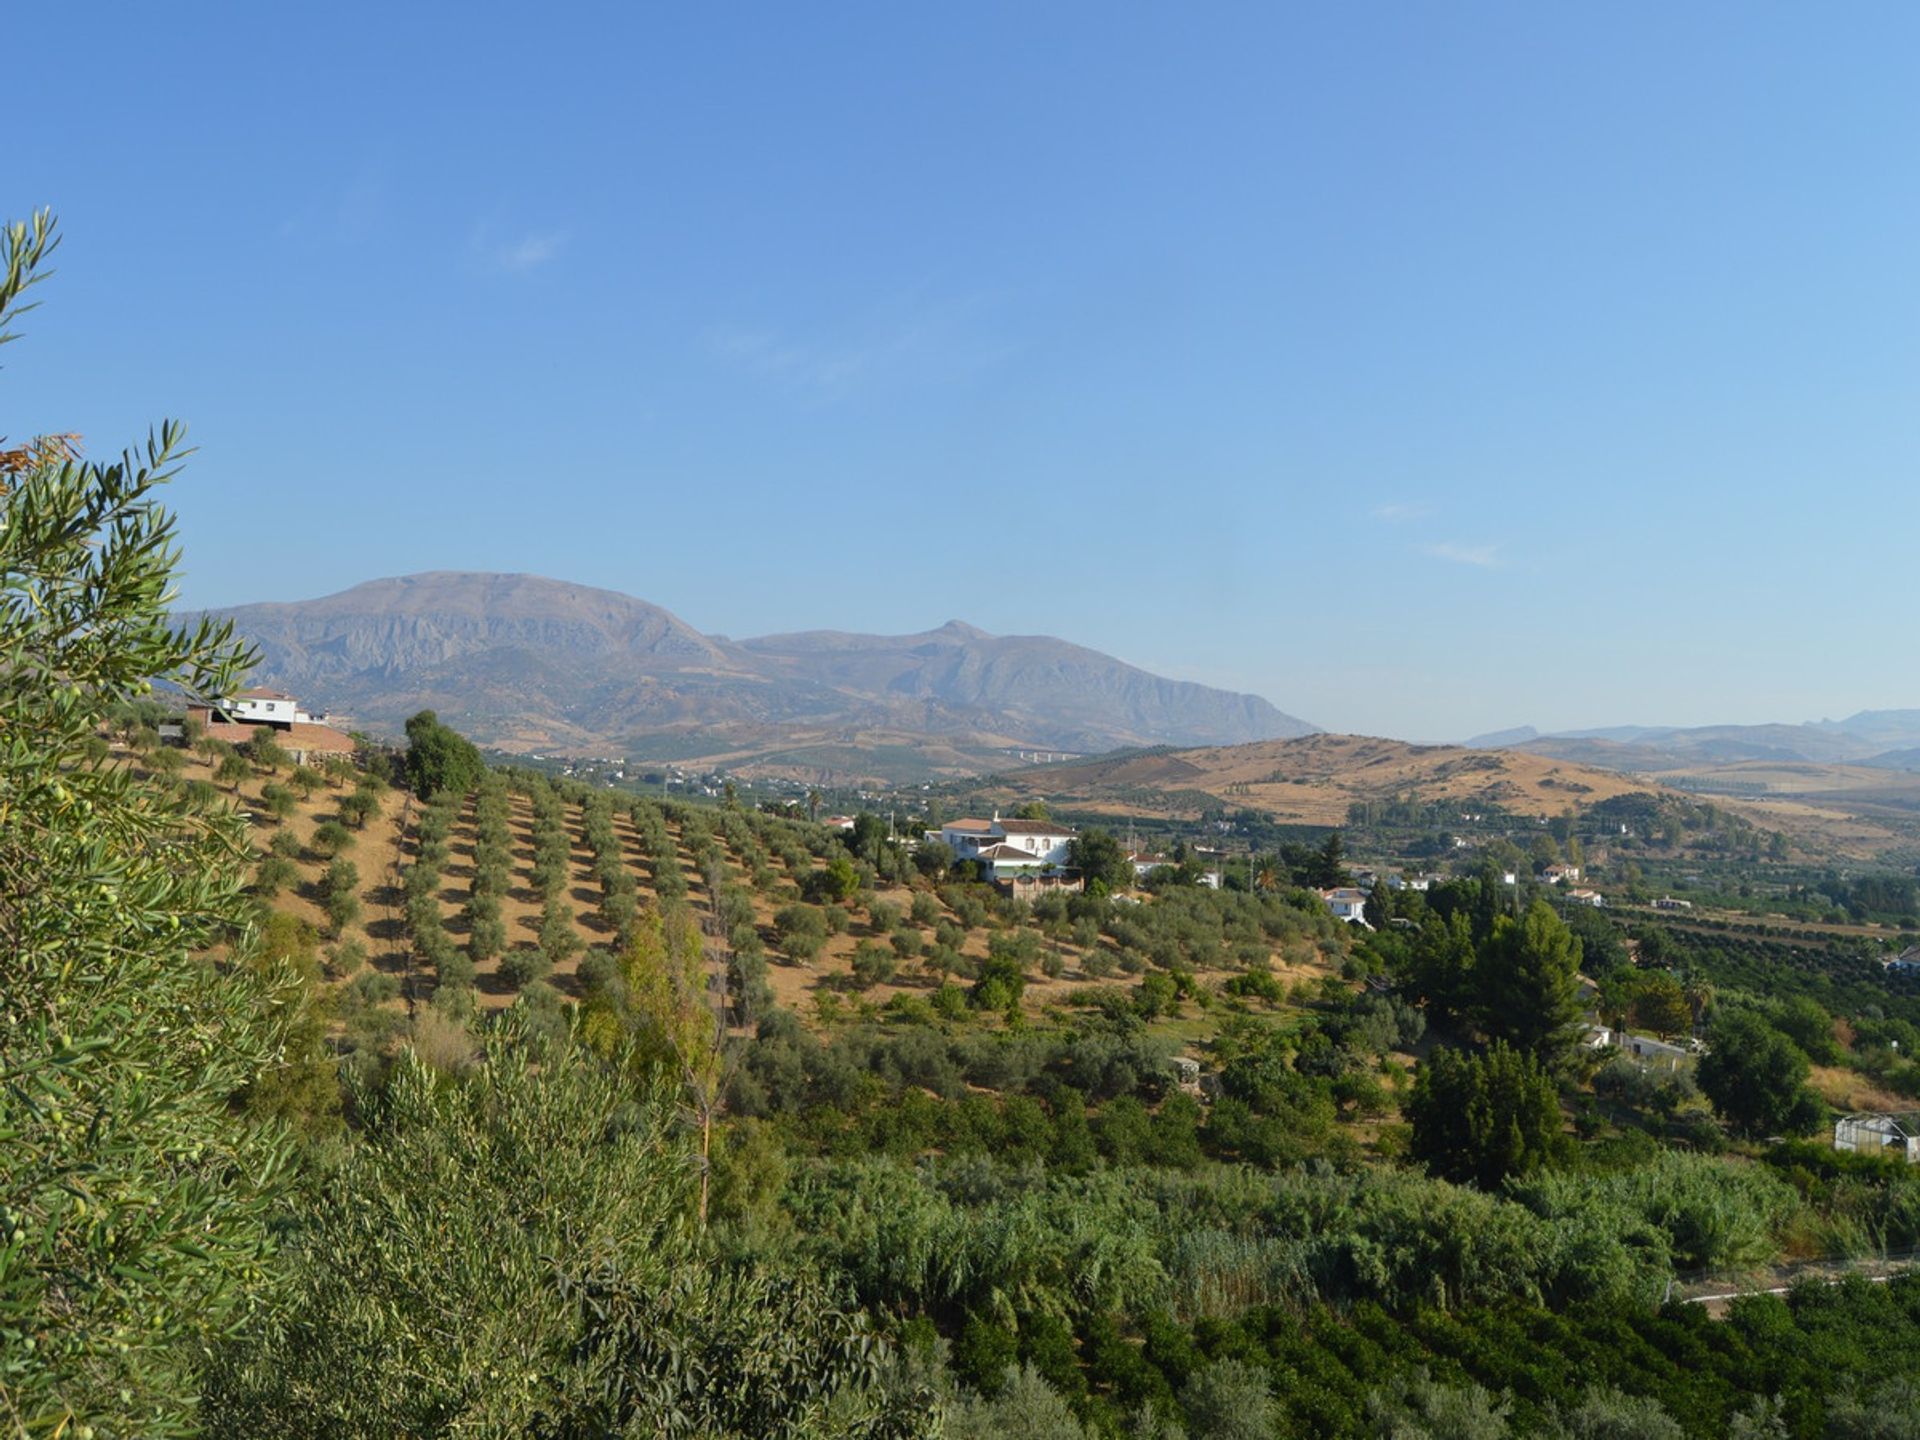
(1460, 552)
(518, 254)
(1397, 512)
(913, 334)
(818, 367)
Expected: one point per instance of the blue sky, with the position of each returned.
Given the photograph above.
(1426, 369)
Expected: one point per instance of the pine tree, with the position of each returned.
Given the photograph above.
(1529, 989)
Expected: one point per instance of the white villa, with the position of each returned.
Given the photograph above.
(1042, 842)
(1347, 904)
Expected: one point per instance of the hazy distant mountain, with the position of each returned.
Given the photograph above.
(1871, 737)
(1502, 739)
(528, 663)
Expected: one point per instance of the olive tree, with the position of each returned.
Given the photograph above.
(132, 1200)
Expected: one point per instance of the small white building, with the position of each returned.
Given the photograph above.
(1145, 865)
(270, 707)
(1649, 1051)
(1667, 902)
(1587, 897)
(1347, 904)
(1210, 879)
(1868, 1134)
(1560, 874)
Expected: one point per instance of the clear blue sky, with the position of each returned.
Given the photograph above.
(1425, 369)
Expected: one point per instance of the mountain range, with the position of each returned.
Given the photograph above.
(526, 664)
(1882, 739)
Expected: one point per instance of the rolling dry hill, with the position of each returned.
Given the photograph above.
(1312, 780)
(1838, 812)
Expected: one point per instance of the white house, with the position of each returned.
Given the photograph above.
(1145, 865)
(270, 707)
(1879, 1135)
(1347, 904)
(1046, 841)
(1557, 874)
(1647, 1050)
(1587, 897)
(1211, 880)
(1003, 862)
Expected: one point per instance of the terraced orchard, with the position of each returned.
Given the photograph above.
(527, 887)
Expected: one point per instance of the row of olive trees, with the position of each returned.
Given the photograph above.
(426, 928)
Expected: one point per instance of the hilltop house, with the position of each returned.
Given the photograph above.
(1556, 874)
(1043, 841)
(1587, 897)
(1347, 904)
(238, 718)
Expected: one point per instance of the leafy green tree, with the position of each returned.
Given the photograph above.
(264, 750)
(506, 1253)
(1023, 1404)
(837, 881)
(359, 807)
(132, 1202)
(1659, 1003)
(1528, 987)
(1001, 982)
(1101, 860)
(1417, 1407)
(800, 931)
(277, 799)
(274, 874)
(1229, 1400)
(1480, 1118)
(558, 939)
(1757, 1078)
(232, 769)
(330, 837)
(439, 759)
(872, 965)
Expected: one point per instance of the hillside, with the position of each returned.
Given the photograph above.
(929, 933)
(1314, 779)
(529, 664)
